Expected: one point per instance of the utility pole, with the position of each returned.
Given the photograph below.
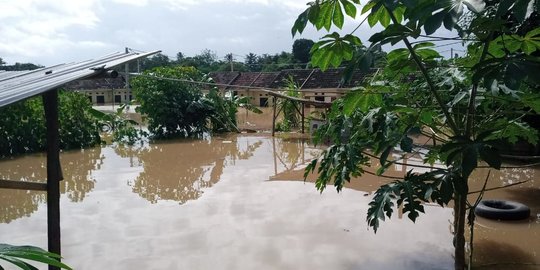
(451, 53)
(127, 78)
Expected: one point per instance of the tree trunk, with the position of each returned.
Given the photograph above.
(460, 209)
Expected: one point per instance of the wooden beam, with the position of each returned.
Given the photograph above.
(54, 172)
(23, 185)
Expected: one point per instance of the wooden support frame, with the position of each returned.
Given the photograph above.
(276, 113)
(54, 172)
(23, 185)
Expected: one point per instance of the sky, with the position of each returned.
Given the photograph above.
(60, 31)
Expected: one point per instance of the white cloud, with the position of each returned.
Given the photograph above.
(31, 28)
(50, 32)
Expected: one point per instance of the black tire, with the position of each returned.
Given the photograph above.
(502, 210)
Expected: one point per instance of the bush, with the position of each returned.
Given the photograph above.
(173, 108)
(23, 129)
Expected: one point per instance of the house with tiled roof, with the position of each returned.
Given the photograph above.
(313, 84)
(103, 91)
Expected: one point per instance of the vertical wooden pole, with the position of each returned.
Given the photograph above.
(274, 116)
(54, 172)
(275, 155)
(303, 117)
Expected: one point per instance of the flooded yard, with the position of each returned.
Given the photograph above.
(239, 202)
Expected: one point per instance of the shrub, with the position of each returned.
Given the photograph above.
(23, 129)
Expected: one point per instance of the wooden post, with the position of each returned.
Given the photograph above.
(274, 116)
(275, 155)
(54, 172)
(303, 117)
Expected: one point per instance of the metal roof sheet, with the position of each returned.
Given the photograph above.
(16, 86)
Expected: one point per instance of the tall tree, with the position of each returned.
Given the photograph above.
(252, 62)
(469, 107)
(157, 60)
(300, 50)
(179, 57)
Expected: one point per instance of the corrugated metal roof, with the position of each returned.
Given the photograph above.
(16, 86)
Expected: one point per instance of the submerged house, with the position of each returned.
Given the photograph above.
(104, 90)
(313, 84)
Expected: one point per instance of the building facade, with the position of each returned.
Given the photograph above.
(103, 91)
(313, 84)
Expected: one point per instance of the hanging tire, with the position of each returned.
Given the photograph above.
(502, 210)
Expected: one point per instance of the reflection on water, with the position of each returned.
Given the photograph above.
(518, 240)
(18, 203)
(77, 167)
(124, 208)
(180, 170)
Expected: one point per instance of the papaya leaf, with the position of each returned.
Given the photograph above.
(469, 160)
(300, 23)
(491, 156)
(406, 144)
(333, 50)
(434, 22)
(382, 205)
(362, 99)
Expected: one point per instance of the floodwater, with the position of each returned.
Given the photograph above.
(238, 202)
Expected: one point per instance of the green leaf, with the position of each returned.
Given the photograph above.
(491, 156)
(533, 33)
(338, 17)
(367, 7)
(380, 206)
(450, 20)
(434, 22)
(406, 144)
(528, 47)
(333, 50)
(385, 154)
(14, 253)
(362, 99)
(532, 101)
(391, 32)
(384, 17)
(21, 264)
(426, 117)
(469, 161)
(350, 8)
(300, 23)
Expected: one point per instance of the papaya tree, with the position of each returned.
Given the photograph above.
(469, 106)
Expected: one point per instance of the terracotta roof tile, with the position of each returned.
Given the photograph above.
(108, 83)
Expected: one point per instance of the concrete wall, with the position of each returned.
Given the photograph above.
(107, 96)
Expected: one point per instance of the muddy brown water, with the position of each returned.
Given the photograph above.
(239, 202)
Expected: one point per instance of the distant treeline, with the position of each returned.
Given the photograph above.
(207, 61)
(18, 66)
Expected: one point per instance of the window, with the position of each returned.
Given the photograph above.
(100, 99)
(117, 99)
(263, 102)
